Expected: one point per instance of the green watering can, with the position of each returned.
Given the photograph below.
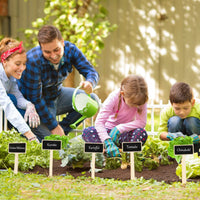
(83, 104)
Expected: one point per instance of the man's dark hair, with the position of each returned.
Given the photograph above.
(48, 33)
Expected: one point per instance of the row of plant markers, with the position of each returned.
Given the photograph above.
(94, 148)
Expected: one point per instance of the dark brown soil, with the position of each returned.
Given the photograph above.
(162, 173)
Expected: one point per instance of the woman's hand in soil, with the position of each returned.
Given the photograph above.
(111, 149)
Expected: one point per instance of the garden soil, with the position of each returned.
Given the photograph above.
(162, 173)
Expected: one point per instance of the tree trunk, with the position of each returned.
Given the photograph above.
(81, 10)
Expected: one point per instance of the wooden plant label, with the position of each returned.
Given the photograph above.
(51, 144)
(183, 150)
(17, 148)
(132, 146)
(93, 147)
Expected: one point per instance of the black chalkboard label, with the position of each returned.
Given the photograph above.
(93, 147)
(183, 149)
(51, 144)
(17, 148)
(132, 146)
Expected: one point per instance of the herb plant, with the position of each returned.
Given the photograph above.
(34, 154)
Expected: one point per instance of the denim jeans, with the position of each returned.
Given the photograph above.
(187, 126)
(62, 105)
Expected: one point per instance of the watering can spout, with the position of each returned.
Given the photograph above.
(73, 126)
(83, 104)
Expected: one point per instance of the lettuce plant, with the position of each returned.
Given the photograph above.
(178, 141)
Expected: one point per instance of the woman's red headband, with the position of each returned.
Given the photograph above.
(11, 51)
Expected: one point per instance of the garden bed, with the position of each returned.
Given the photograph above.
(162, 173)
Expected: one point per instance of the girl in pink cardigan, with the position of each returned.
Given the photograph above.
(122, 117)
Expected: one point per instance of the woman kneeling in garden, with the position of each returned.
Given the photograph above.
(122, 117)
(12, 64)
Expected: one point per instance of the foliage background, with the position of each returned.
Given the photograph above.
(77, 24)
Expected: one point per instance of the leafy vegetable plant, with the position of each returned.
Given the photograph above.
(192, 166)
(34, 154)
(74, 154)
(64, 139)
(154, 153)
(178, 141)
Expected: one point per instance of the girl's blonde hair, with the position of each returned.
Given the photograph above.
(9, 43)
(135, 89)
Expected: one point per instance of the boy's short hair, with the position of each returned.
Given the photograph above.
(180, 92)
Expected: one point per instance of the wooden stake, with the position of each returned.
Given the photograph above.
(16, 163)
(183, 169)
(132, 166)
(51, 163)
(93, 166)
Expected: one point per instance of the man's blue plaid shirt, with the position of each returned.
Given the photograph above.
(41, 83)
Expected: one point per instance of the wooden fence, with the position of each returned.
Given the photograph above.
(3, 121)
(153, 110)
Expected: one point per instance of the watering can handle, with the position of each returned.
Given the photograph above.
(74, 95)
(73, 104)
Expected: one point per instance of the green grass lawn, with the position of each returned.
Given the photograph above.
(40, 187)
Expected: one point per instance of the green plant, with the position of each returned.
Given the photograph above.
(34, 154)
(192, 166)
(74, 154)
(64, 139)
(77, 24)
(178, 141)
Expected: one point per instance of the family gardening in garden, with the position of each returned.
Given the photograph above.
(32, 96)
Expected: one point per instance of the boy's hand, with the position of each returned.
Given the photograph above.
(172, 136)
(196, 139)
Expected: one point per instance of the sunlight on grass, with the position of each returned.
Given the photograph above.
(33, 186)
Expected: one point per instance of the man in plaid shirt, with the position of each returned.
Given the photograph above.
(47, 66)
